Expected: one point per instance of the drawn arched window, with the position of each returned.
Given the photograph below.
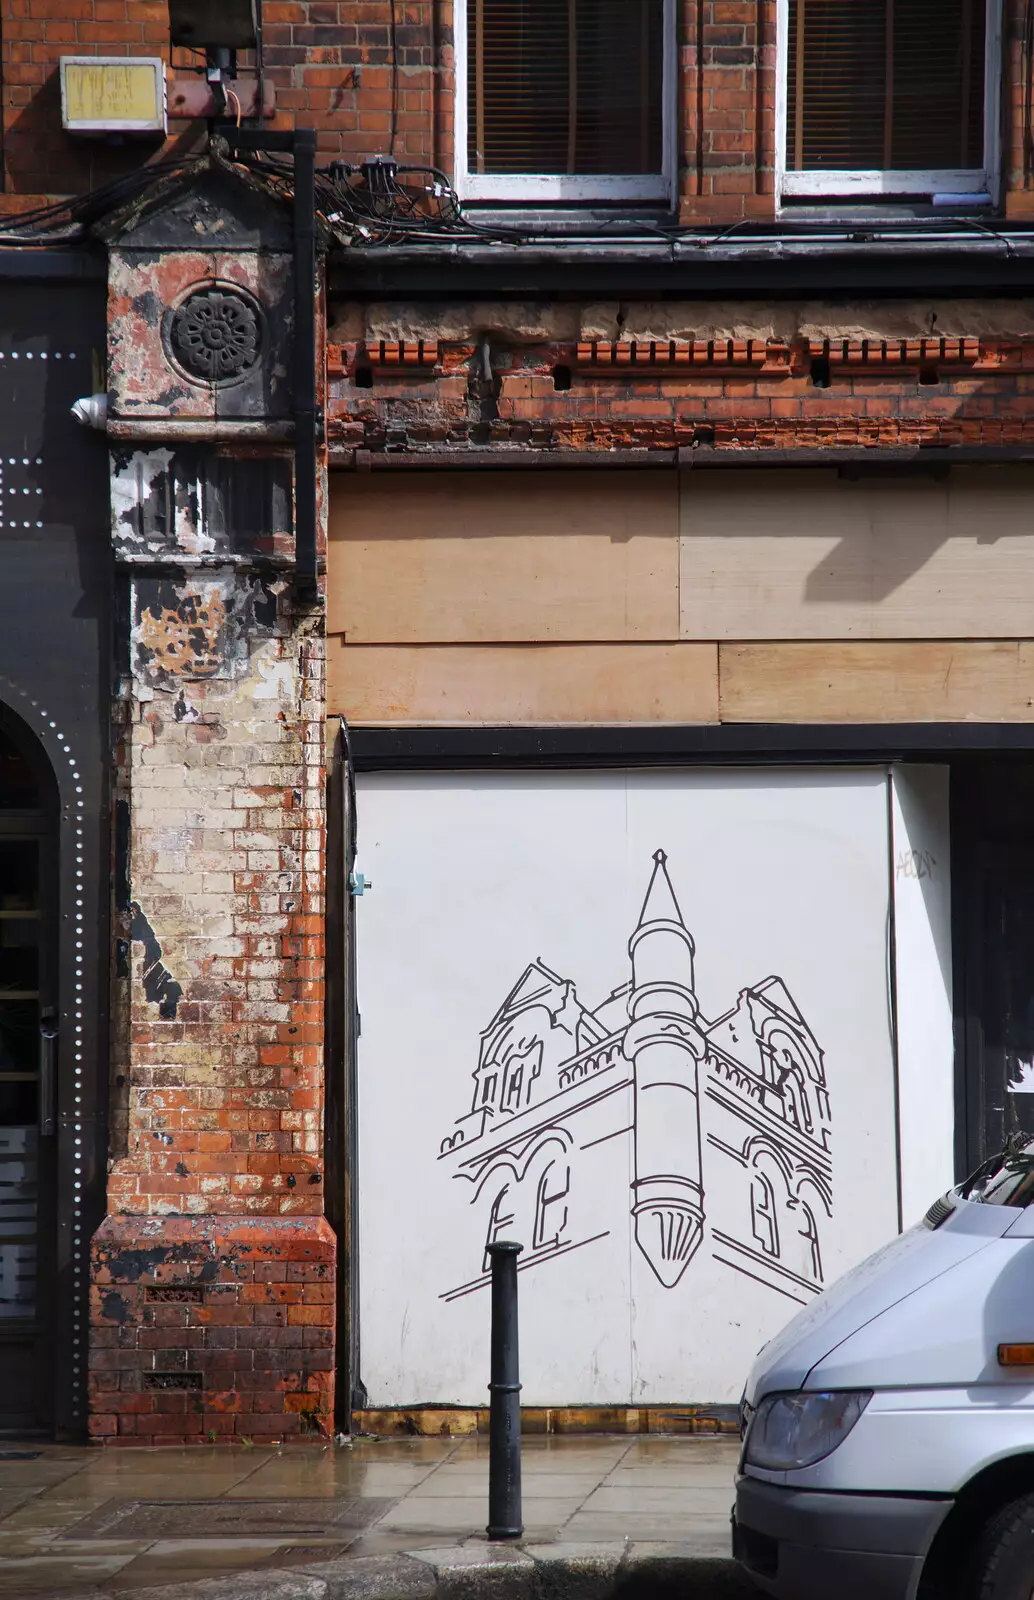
(521, 1068)
(514, 1084)
(763, 1214)
(488, 1089)
(500, 1222)
(796, 1097)
(810, 1234)
(551, 1204)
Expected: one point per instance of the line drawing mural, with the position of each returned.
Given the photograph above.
(717, 1134)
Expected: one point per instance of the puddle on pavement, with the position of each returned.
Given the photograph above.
(227, 1519)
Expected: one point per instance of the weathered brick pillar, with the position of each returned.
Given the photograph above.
(213, 1272)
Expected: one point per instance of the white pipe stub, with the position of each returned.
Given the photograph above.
(92, 411)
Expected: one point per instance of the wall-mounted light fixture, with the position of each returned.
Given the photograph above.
(113, 95)
(214, 24)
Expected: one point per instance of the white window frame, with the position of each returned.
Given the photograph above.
(545, 188)
(982, 180)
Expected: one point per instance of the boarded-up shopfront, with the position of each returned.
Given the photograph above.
(681, 1026)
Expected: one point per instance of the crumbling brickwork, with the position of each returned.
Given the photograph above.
(211, 1329)
(217, 1092)
(599, 378)
(213, 1304)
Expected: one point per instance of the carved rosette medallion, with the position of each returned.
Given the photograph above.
(215, 335)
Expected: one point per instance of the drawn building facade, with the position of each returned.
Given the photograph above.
(728, 1120)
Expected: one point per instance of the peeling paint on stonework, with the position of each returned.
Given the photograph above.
(179, 631)
(153, 505)
(160, 986)
(197, 630)
(148, 306)
(183, 711)
(136, 481)
(114, 1307)
(277, 680)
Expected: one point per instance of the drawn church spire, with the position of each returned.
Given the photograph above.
(665, 1045)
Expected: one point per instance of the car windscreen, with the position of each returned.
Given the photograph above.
(1006, 1179)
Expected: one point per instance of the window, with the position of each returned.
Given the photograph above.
(500, 1224)
(564, 99)
(763, 1214)
(550, 1210)
(809, 1233)
(889, 97)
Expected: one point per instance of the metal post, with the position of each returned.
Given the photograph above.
(504, 1459)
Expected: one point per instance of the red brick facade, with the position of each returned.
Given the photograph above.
(214, 1271)
(211, 1330)
(213, 1301)
(332, 65)
(665, 394)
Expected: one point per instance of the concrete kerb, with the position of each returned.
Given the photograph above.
(537, 1572)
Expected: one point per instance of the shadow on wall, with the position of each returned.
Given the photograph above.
(850, 536)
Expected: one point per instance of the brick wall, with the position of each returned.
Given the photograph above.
(728, 75)
(213, 1273)
(39, 157)
(332, 65)
(330, 61)
(211, 1330)
(765, 389)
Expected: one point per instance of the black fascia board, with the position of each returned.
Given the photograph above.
(487, 748)
(52, 264)
(578, 270)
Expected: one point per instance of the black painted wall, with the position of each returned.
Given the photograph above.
(56, 679)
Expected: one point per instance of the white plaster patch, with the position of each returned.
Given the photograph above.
(277, 679)
(132, 485)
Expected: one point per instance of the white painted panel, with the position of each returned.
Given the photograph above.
(922, 948)
(685, 1161)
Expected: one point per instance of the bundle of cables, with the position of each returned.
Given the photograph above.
(67, 222)
(382, 202)
(379, 202)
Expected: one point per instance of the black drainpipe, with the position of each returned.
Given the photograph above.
(307, 419)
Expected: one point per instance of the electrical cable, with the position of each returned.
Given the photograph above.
(1027, 50)
(383, 203)
(40, 226)
(394, 39)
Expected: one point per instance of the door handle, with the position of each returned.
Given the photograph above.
(48, 1031)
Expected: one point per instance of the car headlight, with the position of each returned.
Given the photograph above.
(796, 1430)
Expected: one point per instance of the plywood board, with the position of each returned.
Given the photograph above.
(503, 557)
(495, 684)
(920, 681)
(677, 1199)
(806, 555)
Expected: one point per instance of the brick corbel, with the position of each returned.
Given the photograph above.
(766, 357)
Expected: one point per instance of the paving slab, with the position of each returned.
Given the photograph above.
(606, 1518)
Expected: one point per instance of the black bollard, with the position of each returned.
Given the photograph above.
(504, 1436)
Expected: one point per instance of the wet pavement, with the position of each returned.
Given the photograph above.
(75, 1519)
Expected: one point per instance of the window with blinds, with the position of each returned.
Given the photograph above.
(565, 89)
(886, 86)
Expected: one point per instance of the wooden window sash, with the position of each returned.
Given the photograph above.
(576, 131)
(827, 29)
(479, 81)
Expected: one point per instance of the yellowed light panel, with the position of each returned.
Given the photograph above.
(105, 93)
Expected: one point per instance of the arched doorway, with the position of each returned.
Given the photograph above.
(28, 1088)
